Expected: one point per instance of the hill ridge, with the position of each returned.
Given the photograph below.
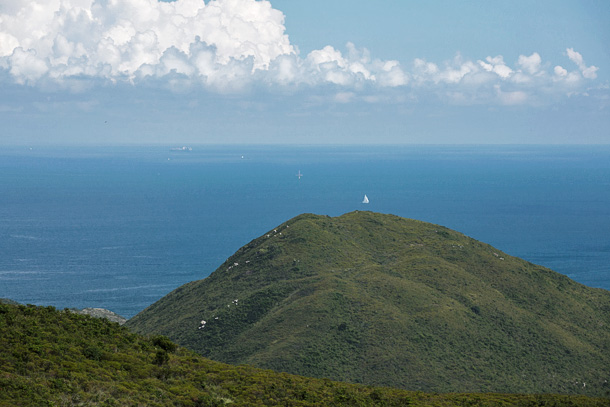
(383, 300)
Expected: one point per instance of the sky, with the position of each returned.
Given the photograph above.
(102, 72)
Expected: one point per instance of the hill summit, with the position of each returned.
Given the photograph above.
(382, 300)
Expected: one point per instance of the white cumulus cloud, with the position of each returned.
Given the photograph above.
(220, 44)
(560, 71)
(530, 64)
(589, 72)
(228, 45)
(497, 66)
(116, 39)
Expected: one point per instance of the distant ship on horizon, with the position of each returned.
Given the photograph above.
(183, 148)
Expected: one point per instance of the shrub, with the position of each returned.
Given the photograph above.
(164, 343)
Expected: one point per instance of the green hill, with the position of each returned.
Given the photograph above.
(60, 358)
(382, 300)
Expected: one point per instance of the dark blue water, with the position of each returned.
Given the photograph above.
(120, 227)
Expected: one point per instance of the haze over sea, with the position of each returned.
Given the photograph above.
(120, 227)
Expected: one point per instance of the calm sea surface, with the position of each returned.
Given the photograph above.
(121, 227)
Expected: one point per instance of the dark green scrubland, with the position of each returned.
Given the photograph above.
(386, 301)
(60, 358)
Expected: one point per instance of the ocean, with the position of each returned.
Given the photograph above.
(120, 227)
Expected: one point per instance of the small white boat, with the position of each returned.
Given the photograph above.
(299, 175)
(366, 199)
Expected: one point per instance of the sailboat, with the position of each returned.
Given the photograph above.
(366, 199)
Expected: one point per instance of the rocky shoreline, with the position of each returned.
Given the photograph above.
(94, 312)
(101, 313)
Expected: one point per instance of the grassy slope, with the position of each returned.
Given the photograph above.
(59, 358)
(382, 300)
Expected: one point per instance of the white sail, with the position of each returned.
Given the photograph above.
(366, 199)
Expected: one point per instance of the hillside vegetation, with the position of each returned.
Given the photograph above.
(382, 300)
(59, 358)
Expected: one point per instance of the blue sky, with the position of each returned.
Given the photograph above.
(304, 72)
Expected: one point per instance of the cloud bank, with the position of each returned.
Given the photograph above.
(230, 45)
